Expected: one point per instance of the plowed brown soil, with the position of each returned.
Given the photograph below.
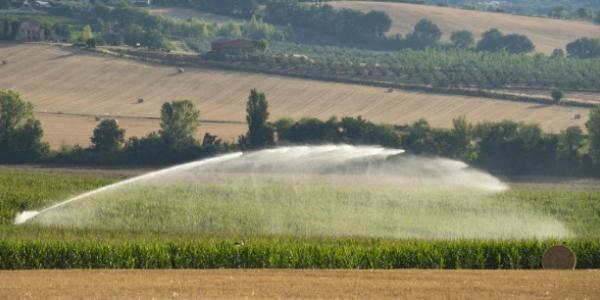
(286, 284)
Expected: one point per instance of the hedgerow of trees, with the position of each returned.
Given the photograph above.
(505, 147)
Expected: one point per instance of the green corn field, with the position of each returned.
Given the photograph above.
(35, 246)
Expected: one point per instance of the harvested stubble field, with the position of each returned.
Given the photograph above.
(314, 284)
(62, 81)
(546, 34)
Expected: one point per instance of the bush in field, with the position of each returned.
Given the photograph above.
(491, 40)
(108, 136)
(425, 34)
(557, 95)
(462, 39)
(584, 48)
(518, 43)
(90, 43)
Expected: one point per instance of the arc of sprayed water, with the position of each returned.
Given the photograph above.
(28, 215)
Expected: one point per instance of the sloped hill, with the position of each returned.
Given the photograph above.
(69, 87)
(547, 34)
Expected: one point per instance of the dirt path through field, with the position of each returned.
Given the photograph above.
(229, 284)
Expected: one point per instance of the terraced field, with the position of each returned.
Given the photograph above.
(69, 87)
(547, 34)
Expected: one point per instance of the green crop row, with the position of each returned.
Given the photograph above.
(225, 254)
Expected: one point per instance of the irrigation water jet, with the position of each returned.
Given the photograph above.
(334, 190)
(25, 216)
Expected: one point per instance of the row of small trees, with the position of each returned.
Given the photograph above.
(21, 136)
(441, 68)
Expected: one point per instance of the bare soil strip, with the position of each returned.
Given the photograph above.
(315, 284)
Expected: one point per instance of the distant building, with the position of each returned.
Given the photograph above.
(41, 4)
(240, 46)
(30, 30)
(141, 2)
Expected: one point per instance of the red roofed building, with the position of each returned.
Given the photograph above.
(239, 46)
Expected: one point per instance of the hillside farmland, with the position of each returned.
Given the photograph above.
(546, 34)
(62, 81)
(183, 13)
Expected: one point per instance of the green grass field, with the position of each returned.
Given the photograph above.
(230, 234)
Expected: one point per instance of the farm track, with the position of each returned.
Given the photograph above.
(547, 34)
(315, 284)
(80, 84)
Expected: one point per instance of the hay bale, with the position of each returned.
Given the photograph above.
(559, 258)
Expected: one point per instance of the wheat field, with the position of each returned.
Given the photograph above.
(69, 87)
(546, 34)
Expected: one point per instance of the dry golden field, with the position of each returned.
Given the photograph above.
(298, 284)
(61, 81)
(546, 34)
